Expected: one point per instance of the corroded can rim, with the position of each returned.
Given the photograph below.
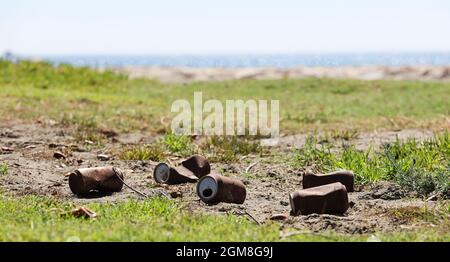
(207, 188)
(161, 173)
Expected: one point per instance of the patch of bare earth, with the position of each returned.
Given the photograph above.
(364, 140)
(33, 169)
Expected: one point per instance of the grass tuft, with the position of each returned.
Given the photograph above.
(3, 169)
(154, 152)
(366, 165)
(47, 76)
(438, 215)
(420, 166)
(317, 158)
(85, 128)
(229, 148)
(180, 144)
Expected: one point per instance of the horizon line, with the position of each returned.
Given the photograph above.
(118, 54)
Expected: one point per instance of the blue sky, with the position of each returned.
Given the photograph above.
(223, 26)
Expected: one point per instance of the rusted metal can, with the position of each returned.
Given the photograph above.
(198, 165)
(326, 199)
(345, 177)
(189, 171)
(102, 179)
(215, 188)
(165, 174)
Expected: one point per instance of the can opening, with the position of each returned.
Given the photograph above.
(76, 183)
(207, 192)
(207, 188)
(162, 173)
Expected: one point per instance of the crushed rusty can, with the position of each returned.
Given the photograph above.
(326, 199)
(345, 177)
(103, 179)
(189, 171)
(215, 188)
(198, 165)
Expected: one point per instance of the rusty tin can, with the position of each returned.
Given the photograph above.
(102, 179)
(345, 177)
(326, 199)
(165, 174)
(215, 188)
(198, 165)
(189, 171)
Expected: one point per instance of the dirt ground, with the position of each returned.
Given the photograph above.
(34, 170)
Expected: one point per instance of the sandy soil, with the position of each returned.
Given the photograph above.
(34, 170)
(185, 74)
(364, 140)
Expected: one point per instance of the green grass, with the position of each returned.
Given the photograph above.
(33, 218)
(217, 149)
(87, 102)
(227, 149)
(420, 166)
(170, 143)
(180, 144)
(423, 214)
(316, 157)
(86, 128)
(336, 135)
(3, 169)
(154, 152)
(30, 90)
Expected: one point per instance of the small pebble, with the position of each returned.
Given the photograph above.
(7, 149)
(58, 155)
(175, 194)
(432, 198)
(277, 217)
(284, 203)
(103, 157)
